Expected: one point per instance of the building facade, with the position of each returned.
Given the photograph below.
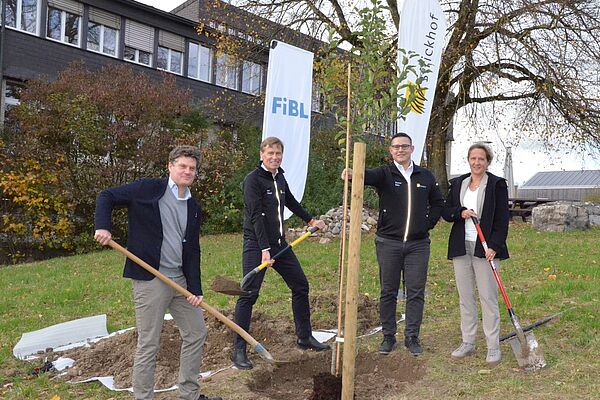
(40, 38)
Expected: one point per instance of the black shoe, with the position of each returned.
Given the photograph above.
(388, 345)
(413, 346)
(203, 397)
(240, 359)
(312, 343)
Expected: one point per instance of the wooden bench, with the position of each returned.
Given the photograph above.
(524, 213)
(522, 207)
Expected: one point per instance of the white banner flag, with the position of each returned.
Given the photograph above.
(422, 29)
(288, 108)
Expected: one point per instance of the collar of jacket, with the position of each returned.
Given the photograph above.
(264, 172)
(395, 170)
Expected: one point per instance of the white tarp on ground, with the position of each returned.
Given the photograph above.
(72, 334)
(79, 330)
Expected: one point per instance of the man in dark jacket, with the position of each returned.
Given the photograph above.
(266, 194)
(164, 231)
(410, 204)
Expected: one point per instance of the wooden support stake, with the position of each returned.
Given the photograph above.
(336, 355)
(356, 205)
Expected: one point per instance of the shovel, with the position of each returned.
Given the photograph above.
(525, 347)
(252, 274)
(530, 327)
(259, 348)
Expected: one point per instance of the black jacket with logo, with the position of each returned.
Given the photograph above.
(265, 198)
(426, 201)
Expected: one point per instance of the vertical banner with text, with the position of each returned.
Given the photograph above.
(287, 110)
(422, 30)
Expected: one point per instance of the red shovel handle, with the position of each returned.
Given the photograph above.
(494, 270)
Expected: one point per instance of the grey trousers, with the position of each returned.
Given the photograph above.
(151, 300)
(471, 271)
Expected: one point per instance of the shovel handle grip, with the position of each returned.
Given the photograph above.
(186, 293)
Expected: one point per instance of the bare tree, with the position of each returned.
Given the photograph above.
(535, 60)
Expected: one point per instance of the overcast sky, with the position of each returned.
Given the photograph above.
(165, 5)
(528, 157)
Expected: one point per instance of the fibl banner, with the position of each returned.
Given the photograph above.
(422, 30)
(287, 110)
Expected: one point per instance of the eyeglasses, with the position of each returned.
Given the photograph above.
(401, 146)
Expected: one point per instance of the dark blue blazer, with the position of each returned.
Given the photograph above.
(145, 233)
(493, 220)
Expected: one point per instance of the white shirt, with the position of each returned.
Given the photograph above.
(175, 190)
(405, 172)
(470, 202)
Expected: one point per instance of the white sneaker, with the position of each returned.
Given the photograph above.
(464, 350)
(493, 357)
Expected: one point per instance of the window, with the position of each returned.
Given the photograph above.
(227, 72)
(200, 62)
(139, 43)
(12, 94)
(138, 56)
(103, 32)
(22, 15)
(170, 52)
(317, 100)
(169, 60)
(102, 39)
(251, 78)
(63, 26)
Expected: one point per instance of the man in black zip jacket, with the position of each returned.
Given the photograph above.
(266, 194)
(410, 204)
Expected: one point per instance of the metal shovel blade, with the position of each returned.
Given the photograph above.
(224, 285)
(531, 358)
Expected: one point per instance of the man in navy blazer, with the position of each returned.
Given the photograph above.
(163, 230)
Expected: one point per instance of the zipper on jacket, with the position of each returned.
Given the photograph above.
(278, 207)
(408, 212)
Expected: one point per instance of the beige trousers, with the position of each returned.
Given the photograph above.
(473, 273)
(151, 300)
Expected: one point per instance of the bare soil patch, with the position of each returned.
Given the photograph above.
(299, 375)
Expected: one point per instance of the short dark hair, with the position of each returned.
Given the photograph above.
(185, 151)
(400, 134)
(271, 141)
(489, 154)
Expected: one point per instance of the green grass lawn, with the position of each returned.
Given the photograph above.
(40, 294)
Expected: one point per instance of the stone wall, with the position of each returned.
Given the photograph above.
(563, 216)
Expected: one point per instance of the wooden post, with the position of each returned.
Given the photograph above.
(356, 205)
(336, 355)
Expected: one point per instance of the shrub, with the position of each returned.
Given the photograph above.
(77, 135)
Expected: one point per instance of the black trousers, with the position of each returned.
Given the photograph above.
(290, 270)
(410, 258)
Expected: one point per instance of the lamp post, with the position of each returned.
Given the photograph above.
(508, 171)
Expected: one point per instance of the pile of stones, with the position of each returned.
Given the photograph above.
(334, 219)
(563, 216)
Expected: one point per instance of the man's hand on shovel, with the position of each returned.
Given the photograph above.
(102, 236)
(195, 300)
